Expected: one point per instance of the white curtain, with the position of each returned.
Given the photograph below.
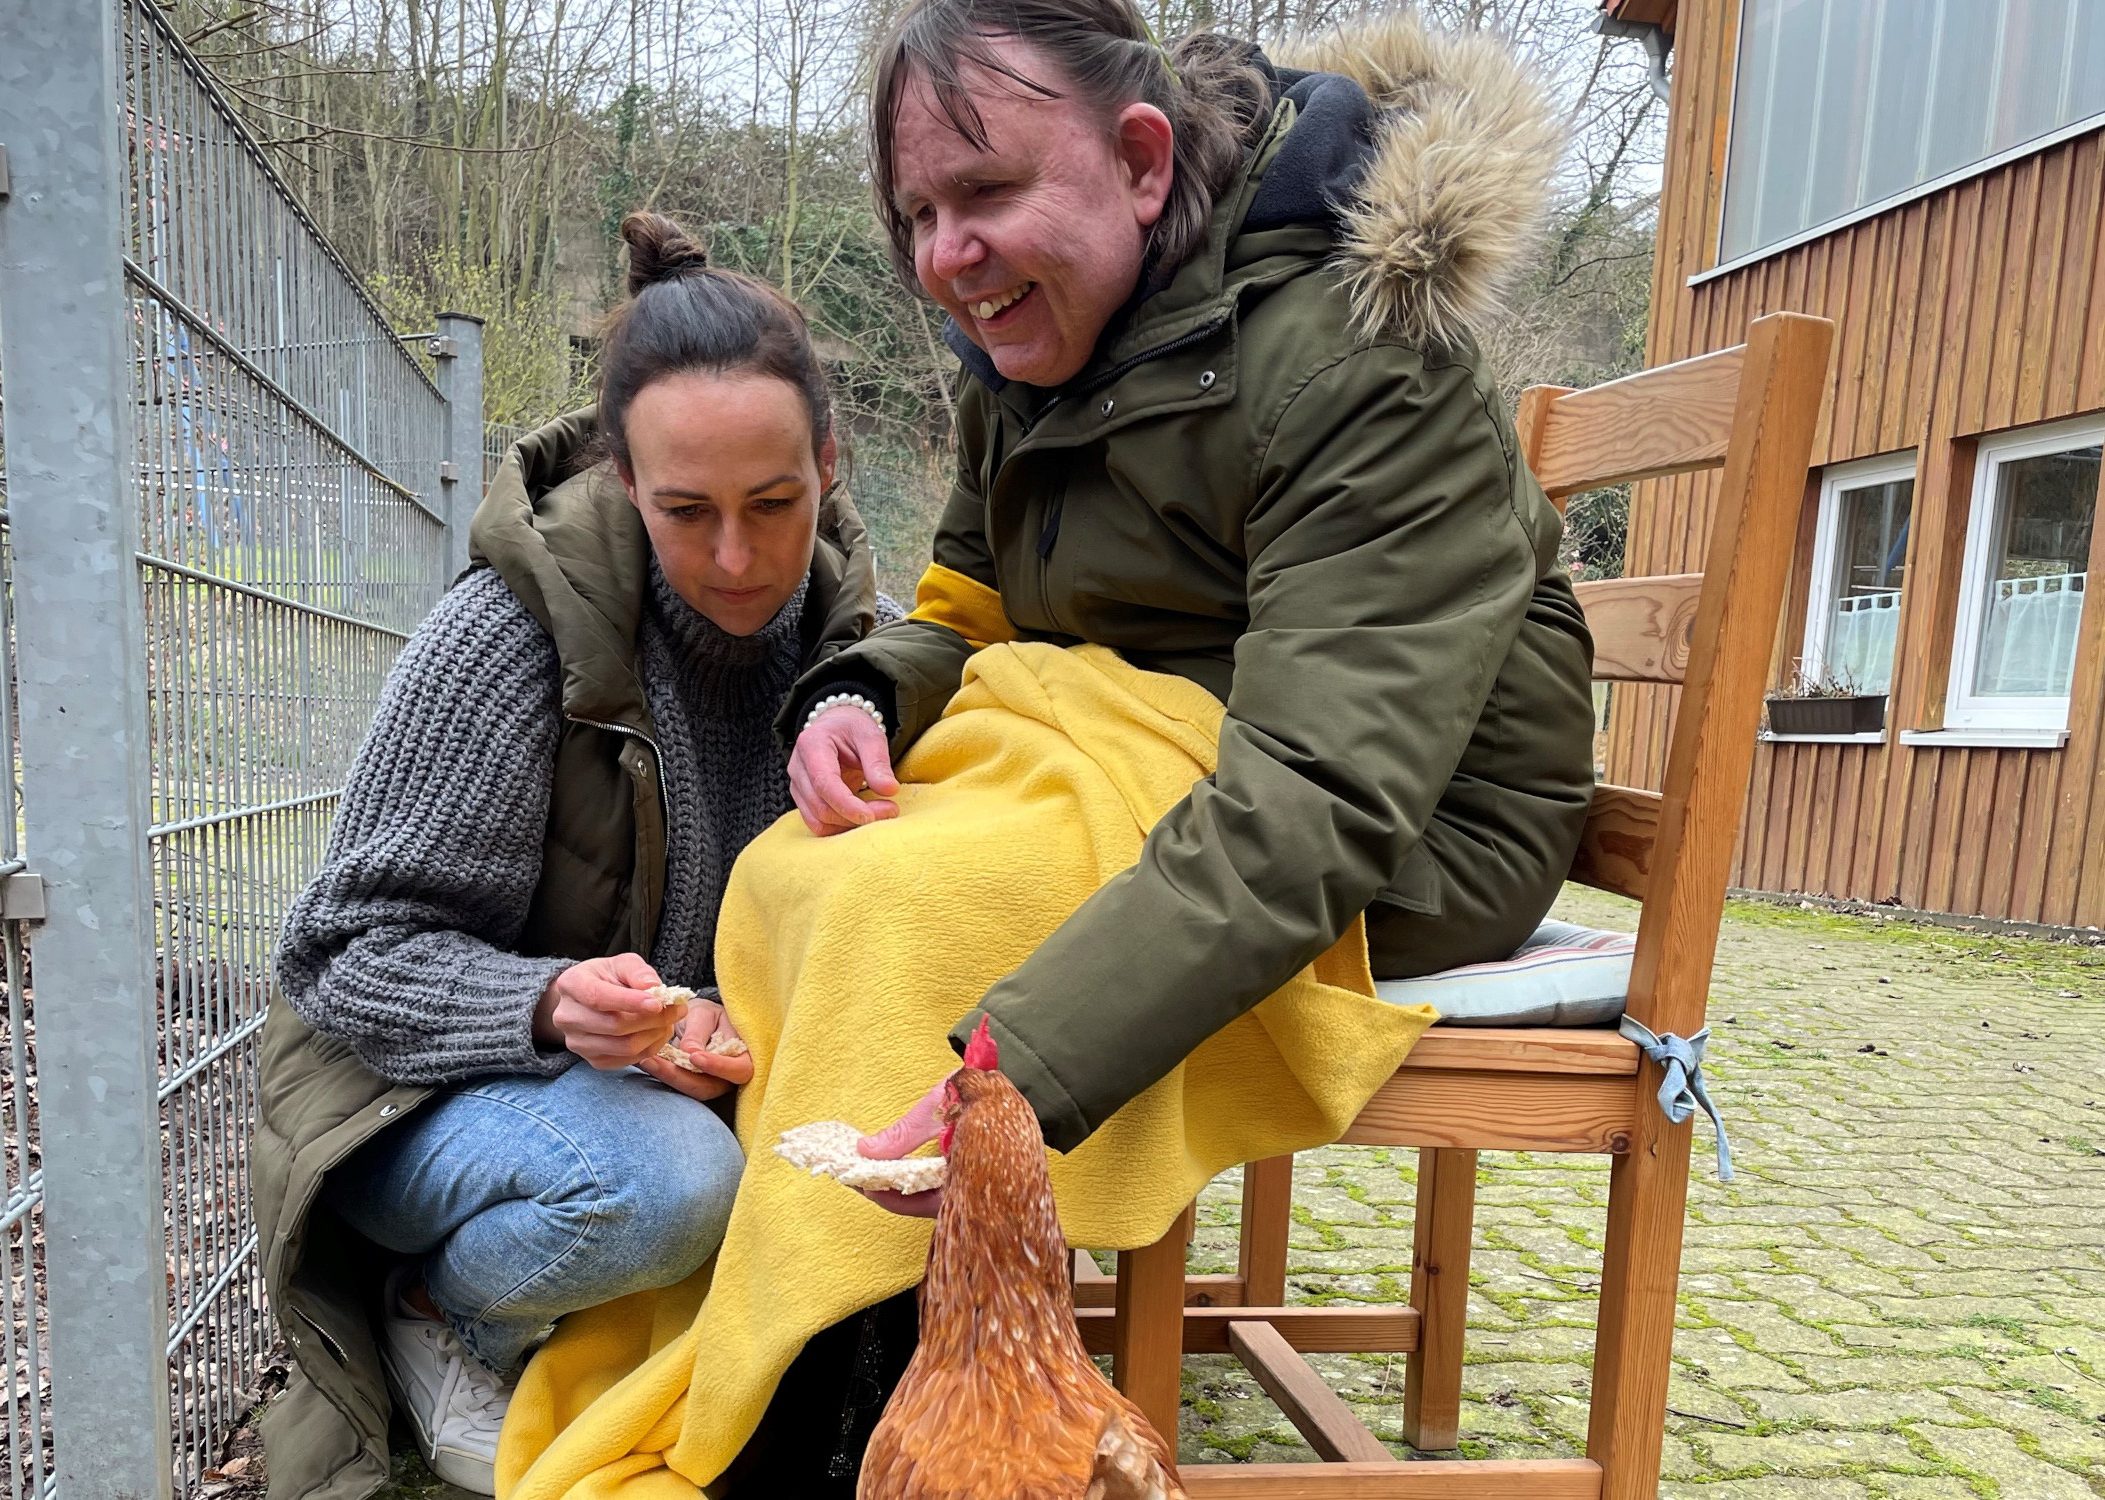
(2029, 646)
(1860, 640)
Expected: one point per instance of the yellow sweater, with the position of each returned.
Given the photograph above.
(844, 961)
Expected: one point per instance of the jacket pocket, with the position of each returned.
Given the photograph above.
(1416, 886)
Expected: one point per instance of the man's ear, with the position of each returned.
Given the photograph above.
(1146, 143)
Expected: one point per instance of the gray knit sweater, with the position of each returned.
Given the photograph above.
(405, 942)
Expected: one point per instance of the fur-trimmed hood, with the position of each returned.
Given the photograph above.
(1436, 178)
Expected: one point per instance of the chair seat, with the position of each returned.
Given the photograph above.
(1563, 975)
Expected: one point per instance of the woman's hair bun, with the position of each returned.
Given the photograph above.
(659, 250)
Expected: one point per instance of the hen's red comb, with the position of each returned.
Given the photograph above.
(982, 1051)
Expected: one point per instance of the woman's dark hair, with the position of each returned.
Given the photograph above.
(683, 315)
(1208, 85)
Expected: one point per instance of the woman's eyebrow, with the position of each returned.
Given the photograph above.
(779, 479)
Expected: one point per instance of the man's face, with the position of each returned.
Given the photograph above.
(1032, 244)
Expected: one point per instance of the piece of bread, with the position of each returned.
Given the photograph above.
(724, 1043)
(827, 1149)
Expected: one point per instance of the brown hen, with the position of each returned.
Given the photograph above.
(1001, 1402)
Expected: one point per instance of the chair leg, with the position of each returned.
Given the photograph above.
(1268, 1200)
(1640, 1273)
(1446, 1220)
(1147, 1342)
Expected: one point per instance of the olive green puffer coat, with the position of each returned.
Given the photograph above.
(1287, 475)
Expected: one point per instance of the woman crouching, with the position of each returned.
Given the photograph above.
(568, 756)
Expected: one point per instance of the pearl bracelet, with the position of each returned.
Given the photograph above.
(847, 700)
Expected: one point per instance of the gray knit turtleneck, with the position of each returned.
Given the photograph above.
(404, 944)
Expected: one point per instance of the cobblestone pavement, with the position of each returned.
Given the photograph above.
(1901, 1295)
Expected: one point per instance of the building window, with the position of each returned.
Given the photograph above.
(1860, 551)
(1842, 104)
(2035, 499)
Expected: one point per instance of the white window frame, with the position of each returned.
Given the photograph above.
(1820, 594)
(1963, 708)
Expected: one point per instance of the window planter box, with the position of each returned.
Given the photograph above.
(1865, 714)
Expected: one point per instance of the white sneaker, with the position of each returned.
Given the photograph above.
(453, 1401)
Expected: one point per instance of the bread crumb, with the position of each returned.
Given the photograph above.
(669, 995)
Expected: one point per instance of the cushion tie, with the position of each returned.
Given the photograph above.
(1682, 1089)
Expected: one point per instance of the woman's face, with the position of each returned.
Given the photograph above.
(728, 486)
(1032, 244)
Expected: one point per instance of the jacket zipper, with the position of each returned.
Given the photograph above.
(1050, 533)
(1122, 369)
(1181, 341)
(664, 803)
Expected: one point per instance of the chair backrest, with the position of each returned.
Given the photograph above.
(1751, 411)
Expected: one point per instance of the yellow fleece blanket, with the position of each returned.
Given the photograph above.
(844, 962)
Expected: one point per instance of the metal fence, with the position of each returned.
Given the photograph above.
(229, 494)
(497, 440)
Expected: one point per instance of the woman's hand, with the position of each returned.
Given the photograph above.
(707, 1026)
(841, 753)
(916, 1128)
(602, 1010)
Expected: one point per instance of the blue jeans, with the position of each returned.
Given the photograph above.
(528, 1198)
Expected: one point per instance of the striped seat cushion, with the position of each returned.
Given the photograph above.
(1563, 975)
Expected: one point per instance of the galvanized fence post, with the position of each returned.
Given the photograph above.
(459, 380)
(66, 342)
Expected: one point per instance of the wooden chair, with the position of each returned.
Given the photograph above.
(1750, 410)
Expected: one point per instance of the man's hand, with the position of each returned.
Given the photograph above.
(917, 1127)
(843, 752)
(602, 1010)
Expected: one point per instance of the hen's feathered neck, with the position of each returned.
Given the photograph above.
(999, 1260)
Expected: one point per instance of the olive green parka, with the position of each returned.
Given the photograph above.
(567, 542)
(1288, 476)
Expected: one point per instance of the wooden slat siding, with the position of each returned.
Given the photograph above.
(1865, 339)
(1842, 835)
(1999, 864)
(1997, 213)
(1904, 312)
(2012, 314)
(2028, 393)
(2085, 210)
(1803, 766)
(2090, 382)
(1991, 816)
(1945, 833)
(1849, 262)
(1978, 308)
(2028, 873)
(1825, 764)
